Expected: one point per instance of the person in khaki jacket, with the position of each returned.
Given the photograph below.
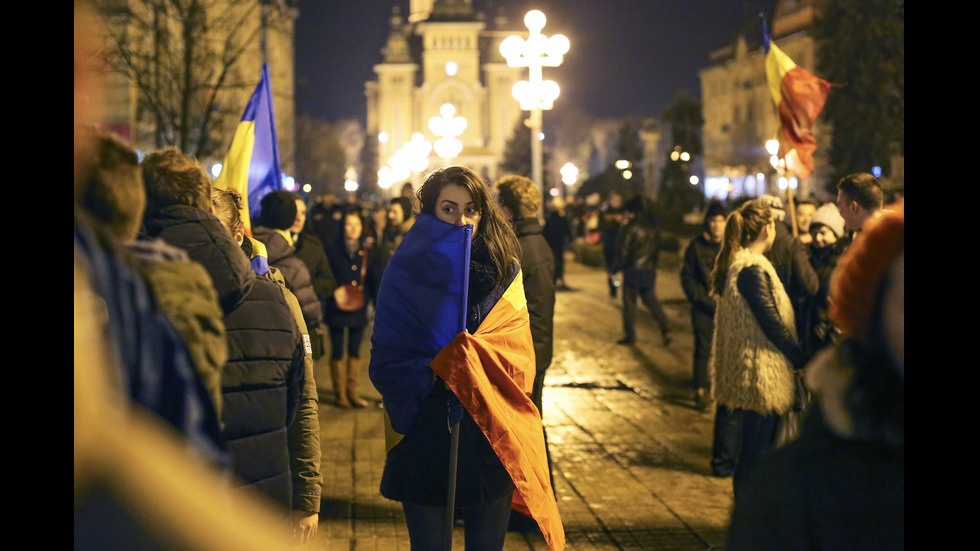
(305, 446)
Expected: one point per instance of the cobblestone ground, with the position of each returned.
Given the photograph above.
(630, 450)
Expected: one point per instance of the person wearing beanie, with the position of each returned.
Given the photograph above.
(278, 216)
(841, 485)
(829, 242)
(829, 217)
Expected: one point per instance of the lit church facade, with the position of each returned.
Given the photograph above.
(444, 53)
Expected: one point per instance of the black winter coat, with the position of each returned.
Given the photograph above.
(538, 268)
(638, 252)
(282, 255)
(792, 264)
(310, 250)
(261, 382)
(790, 260)
(823, 491)
(347, 269)
(699, 260)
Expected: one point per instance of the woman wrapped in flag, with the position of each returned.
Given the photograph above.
(452, 344)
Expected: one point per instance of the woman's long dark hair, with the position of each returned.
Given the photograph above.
(493, 228)
(742, 228)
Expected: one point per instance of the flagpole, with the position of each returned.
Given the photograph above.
(451, 492)
(454, 431)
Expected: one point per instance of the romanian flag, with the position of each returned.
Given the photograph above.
(251, 166)
(419, 334)
(799, 97)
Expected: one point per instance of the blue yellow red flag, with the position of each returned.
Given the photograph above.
(799, 96)
(420, 308)
(492, 372)
(419, 333)
(251, 166)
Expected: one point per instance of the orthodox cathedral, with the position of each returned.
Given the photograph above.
(444, 52)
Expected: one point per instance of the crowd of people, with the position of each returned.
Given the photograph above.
(216, 314)
(798, 326)
(198, 322)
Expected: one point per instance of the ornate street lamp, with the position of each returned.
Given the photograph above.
(535, 93)
(411, 158)
(447, 127)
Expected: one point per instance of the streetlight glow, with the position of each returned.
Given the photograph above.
(569, 174)
(535, 94)
(447, 127)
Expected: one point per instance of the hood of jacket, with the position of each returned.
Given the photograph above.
(527, 226)
(276, 245)
(206, 241)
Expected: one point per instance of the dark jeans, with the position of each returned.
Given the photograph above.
(559, 254)
(724, 447)
(485, 526)
(649, 298)
(757, 435)
(704, 328)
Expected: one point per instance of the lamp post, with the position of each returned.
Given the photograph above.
(535, 94)
(569, 174)
(411, 158)
(785, 183)
(447, 127)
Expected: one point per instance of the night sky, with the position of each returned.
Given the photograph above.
(627, 57)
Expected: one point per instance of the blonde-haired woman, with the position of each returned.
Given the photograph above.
(755, 348)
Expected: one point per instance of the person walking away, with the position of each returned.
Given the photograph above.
(637, 256)
(611, 220)
(558, 233)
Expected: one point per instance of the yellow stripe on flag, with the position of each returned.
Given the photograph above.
(777, 65)
(234, 171)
